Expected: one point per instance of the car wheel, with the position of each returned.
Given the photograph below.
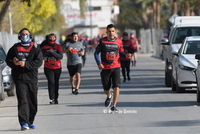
(173, 85)
(198, 94)
(167, 79)
(179, 89)
(11, 92)
(2, 97)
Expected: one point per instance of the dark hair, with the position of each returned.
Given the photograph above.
(52, 35)
(31, 37)
(73, 33)
(111, 26)
(23, 30)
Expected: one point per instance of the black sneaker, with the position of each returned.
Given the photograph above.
(76, 92)
(108, 101)
(134, 64)
(56, 101)
(124, 80)
(114, 109)
(52, 102)
(73, 90)
(129, 78)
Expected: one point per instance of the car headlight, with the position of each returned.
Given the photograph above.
(185, 67)
(6, 71)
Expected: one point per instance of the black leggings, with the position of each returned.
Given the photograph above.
(125, 64)
(53, 76)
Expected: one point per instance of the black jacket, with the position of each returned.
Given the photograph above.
(28, 74)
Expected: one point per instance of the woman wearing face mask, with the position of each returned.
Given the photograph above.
(53, 54)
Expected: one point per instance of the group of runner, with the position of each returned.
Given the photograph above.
(25, 58)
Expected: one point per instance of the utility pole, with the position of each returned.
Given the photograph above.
(91, 8)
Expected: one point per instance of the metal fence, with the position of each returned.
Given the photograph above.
(150, 41)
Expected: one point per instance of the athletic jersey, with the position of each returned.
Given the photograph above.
(23, 51)
(110, 50)
(133, 41)
(126, 46)
(52, 62)
(73, 56)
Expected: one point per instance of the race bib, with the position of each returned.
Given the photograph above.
(51, 60)
(73, 51)
(110, 56)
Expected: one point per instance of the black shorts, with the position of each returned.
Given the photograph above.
(73, 69)
(133, 51)
(110, 75)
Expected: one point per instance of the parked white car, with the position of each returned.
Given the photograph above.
(184, 64)
(183, 27)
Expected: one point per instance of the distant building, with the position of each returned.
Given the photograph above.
(103, 13)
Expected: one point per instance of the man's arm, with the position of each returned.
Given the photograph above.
(96, 56)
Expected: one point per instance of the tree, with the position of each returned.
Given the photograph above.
(32, 17)
(4, 9)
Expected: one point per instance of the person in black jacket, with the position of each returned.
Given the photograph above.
(25, 58)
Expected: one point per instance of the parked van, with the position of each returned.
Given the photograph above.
(182, 27)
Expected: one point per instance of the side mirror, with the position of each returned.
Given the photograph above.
(197, 56)
(174, 53)
(164, 41)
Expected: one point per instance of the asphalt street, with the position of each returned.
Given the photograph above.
(146, 105)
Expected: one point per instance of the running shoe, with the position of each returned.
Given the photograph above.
(52, 102)
(24, 126)
(73, 90)
(76, 92)
(129, 78)
(114, 109)
(124, 80)
(32, 126)
(134, 64)
(56, 101)
(108, 101)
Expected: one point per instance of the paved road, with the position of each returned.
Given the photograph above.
(146, 105)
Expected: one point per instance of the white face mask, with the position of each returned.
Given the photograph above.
(25, 38)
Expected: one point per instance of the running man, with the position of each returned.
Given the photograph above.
(133, 49)
(74, 51)
(111, 49)
(125, 62)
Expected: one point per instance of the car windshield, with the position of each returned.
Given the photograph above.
(192, 47)
(2, 54)
(183, 32)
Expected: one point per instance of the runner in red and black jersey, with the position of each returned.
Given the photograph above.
(133, 49)
(53, 54)
(111, 49)
(125, 62)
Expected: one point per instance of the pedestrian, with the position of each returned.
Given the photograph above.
(52, 53)
(25, 58)
(110, 48)
(133, 49)
(74, 51)
(125, 62)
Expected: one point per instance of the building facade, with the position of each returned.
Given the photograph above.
(103, 12)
